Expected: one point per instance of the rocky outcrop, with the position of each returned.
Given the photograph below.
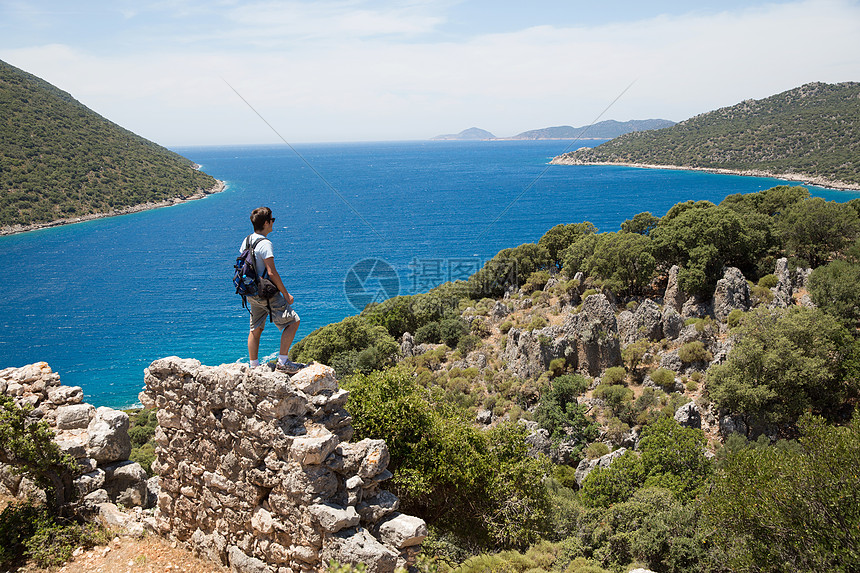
(588, 341)
(594, 334)
(586, 466)
(258, 471)
(674, 296)
(96, 437)
(689, 416)
(645, 322)
(732, 293)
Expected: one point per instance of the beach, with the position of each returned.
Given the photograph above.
(818, 181)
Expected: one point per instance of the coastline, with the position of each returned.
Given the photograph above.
(15, 229)
(818, 181)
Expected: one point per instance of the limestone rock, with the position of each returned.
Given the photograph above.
(76, 416)
(333, 518)
(108, 432)
(732, 293)
(351, 546)
(400, 530)
(645, 322)
(594, 334)
(673, 296)
(689, 416)
(672, 323)
(407, 345)
(586, 466)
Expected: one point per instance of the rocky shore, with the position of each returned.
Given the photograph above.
(14, 229)
(818, 181)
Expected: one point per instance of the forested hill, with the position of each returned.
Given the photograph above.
(812, 132)
(59, 159)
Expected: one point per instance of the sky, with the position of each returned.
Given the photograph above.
(216, 72)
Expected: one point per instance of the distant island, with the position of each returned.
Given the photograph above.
(61, 162)
(809, 134)
(602, 130)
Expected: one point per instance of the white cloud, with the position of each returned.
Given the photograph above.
(341, 71)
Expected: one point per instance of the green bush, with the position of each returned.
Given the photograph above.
(468, 343)
(596, 450)
(557, 366)
(451, 329)
(613, 395)
(694, 351)
(606, 486)
(536, 281)
(537, 322)
(559, 413)
(786, 361)
(341, 345)
(479, 327)
(28, 530)
(770, 506)
(735, 317)
(428, 333)
(768, 281)
(664, 378)
(506, 326)
(615, 375)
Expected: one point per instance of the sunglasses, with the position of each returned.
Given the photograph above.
(272, 220)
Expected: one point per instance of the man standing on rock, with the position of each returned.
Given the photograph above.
(282, 314)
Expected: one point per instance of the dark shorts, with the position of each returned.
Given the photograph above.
(283, 314)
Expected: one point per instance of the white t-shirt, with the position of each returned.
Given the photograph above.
(262, 251)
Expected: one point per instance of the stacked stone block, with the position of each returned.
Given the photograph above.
(257, 471)
(96, 437)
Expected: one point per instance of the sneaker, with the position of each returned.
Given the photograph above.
(288, 367)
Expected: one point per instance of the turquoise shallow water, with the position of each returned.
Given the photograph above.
(100, 300)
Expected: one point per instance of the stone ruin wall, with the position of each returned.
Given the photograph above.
(97, 438)
(258, 471)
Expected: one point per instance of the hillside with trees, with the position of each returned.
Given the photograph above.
(810, 133)
(59, 159)
(678, 395)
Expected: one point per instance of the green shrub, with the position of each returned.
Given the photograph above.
(770, 506)
(694, 351)
(559, 413)
(632, 354)
(768, 281)
(506, 326)
(735, 317)
(451, 329)
(341, 345)
(613, 395)
(557, 366)
(537, 322)
(615, 375)
(588, 293)
(28, 530)
(664, 378)
(428, 333)
(536, 281)
(480, 328)
(606, 486)
(596, 450)
(468, 343)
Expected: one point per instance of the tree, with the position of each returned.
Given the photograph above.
(28, 446)
(560, 414)
(641, 223)
(799, 507)
(834, 290)
(815, 229)
(623, 261)
(560, 237)
(510, 267)
(704, 239)
(785, 362)
(673, 457)
(617, 483)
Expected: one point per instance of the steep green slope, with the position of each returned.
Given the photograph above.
(812, 131)
(59, 159)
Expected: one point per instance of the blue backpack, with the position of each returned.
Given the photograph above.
(245, 277)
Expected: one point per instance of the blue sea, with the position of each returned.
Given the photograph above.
(100, 300)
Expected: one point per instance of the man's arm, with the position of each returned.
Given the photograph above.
(276, 278)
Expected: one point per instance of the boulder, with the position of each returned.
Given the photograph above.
(689, 416)
(732, 293)
(125, 483)
(645, 322)
(108, 436)
(75, 416)
(400, 530)
(359, 546)
(586, 466)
